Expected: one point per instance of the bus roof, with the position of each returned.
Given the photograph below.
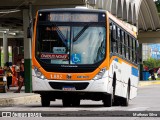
(121, 24)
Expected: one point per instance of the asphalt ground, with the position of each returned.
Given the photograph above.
(10, 98)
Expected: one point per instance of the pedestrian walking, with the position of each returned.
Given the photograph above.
(14, 76)
(21, 77)
(151, 71)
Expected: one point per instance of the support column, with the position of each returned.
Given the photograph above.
(27, 53)
(99, 4)
(5, 48)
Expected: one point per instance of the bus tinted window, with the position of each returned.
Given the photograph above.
(123, 44)
(130, 45)
(126, 44)
(134, 50)
(119, 41)
(114, 37)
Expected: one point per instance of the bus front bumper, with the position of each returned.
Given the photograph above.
(101, 85)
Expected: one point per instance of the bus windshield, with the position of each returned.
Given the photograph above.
(71, 44)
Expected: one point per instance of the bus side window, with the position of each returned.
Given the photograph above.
(111, 35)
(115, 47)
(114, 40)
(137, 49)
(128, 47)
(131, 48)
(123, 44)
(119, 41)
(126, 44)
(134, 51)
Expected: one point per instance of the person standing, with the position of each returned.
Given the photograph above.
(21, 77)
(8, 74)
(151, 71)
(14, 77)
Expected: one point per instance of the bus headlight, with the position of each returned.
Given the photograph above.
(39, 74)
(100, 74)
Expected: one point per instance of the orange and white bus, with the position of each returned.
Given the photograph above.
(80, 54)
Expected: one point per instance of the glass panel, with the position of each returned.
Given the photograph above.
(134, 49)
(89, 48)
(119, 41)
(123, 45)
(71, 44)
(53, 44)
(126, 43)
(130, 47)
(111, 35)
(115, 44)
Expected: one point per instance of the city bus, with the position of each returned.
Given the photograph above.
(83, 54)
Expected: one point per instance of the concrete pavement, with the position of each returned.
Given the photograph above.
(10, 98)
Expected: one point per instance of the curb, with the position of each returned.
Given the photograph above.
(146, 83)
(19, 100)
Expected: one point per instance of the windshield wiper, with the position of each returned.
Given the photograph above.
(61, 35)
(80, 33)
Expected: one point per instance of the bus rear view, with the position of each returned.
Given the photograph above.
(70, 56)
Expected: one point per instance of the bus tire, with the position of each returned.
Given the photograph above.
(107, 100)
(45, 101)
(125, 101)
(115, 99)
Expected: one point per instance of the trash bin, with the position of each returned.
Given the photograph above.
(146, 75)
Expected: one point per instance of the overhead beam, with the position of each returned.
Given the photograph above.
(149, 37)
(11, 36)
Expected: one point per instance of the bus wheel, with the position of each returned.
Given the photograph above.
(115, 98)
(107, 100)
(76, 102)
(45, 101)
(125, 101)
(66, 102)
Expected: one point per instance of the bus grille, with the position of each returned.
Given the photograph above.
(60, 85)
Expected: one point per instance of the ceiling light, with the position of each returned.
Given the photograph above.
(12, 33)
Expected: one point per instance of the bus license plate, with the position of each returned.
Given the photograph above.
(68, 88)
